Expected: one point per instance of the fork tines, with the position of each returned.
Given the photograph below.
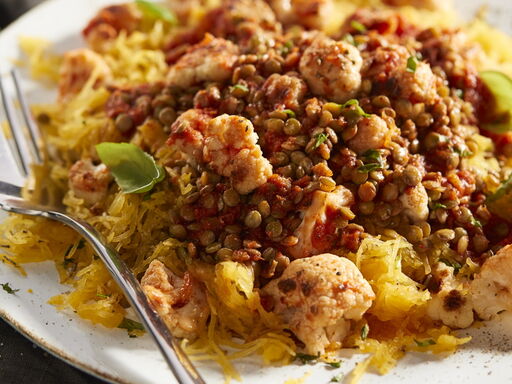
(24, 144)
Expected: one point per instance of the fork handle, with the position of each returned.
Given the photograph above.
(177, 360)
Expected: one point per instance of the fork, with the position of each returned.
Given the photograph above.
(11, 201)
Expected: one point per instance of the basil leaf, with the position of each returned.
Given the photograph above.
(7, 288)
(134, 170)
(156, 11)
(500, 86)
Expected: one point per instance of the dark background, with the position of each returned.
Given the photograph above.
(22, 362)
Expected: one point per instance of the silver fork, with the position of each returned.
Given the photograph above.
(11, 201)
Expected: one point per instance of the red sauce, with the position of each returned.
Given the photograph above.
(324, 235)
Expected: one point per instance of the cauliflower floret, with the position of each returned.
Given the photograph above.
(317, 297)
(210, 60)
(372, 133)
(317, 232)
(492, 287)
(77, 68)
(418, 86)
(181, 302)
(187, 134)
(107, 24)
(308, 13)
(415, 203)
(232, 150)
(451, 304)
(89, 182)
(284, 91)
(332, 68)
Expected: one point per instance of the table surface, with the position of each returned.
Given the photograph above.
(22, 362)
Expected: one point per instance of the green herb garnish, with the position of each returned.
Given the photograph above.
(367, 168)
(131, 326)
(372, 154)
(334, 364)
(358, 26)
(134, 170)
(438, 206)
(304, 358)
(357, 109)
(463, 152)
(364, 331)
(451, 263)
(500, 86)
(476, 222)
(103, 297)
(319, 139)
(350, 39)
(7, 288)
(289, 112)
(241, 87)
(412, 64)
(424, 343)
(337, 378)
(156, 11)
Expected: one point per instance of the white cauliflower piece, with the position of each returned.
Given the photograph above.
(89, 182)
(415, 203)
(284, 91)
(451, 304)
(332, 68)
(317, 297)
(187, 134)
(372, 133)
(309, 13)
(491, 288)
(210, 60)
(316, 233)
(419, 86)
(77, 68)
(181, 302)
(232, 150)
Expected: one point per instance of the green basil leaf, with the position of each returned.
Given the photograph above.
(156, 11)
(134, 170)
(500, 86)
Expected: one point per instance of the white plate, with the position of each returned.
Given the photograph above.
(111, 355)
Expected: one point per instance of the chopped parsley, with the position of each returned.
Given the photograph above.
(367, 168)
(319, 139)
(424, 343)
(372, 154)
(7, 288)
(412, 64)
(337, 378)
(334, 364)
(102, 296)
(289, 112)
(304, 358)
(364, 331)
(358, 26)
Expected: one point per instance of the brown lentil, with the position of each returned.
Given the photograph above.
(253, 219)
